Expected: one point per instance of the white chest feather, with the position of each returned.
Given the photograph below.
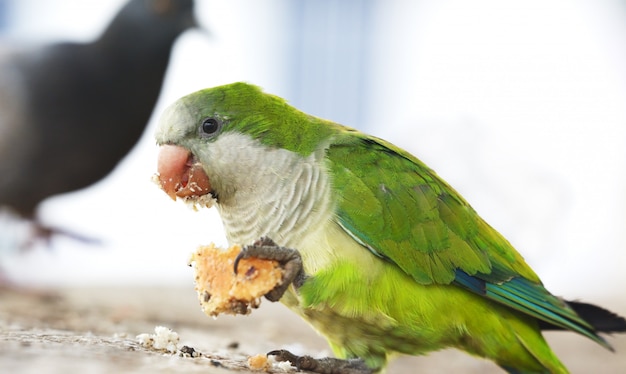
(268, 192)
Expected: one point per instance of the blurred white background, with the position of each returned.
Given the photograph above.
(520, 105)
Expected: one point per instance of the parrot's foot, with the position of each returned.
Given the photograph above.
(289, 259)
(327, 365)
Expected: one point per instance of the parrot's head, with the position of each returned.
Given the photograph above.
(230, 138)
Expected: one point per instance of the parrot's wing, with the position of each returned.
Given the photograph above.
(400, 210)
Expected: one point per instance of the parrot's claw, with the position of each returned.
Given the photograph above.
(289, 259)
(327, 365)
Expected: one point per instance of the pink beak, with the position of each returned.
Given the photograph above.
(180, 175)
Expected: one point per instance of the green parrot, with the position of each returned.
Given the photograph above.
(381, 256)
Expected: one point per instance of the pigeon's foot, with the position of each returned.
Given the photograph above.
(22, 232)
(327, 365)
(288, 258)
(45, 233)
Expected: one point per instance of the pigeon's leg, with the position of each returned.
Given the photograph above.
(327, 365)
(45, 233)
(289, 259)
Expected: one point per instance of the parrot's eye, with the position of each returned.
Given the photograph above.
(210, 126)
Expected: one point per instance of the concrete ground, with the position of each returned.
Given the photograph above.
(94, 331)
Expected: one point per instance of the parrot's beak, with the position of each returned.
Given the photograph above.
(179, 174)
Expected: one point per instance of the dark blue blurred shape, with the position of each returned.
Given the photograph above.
(70, 112)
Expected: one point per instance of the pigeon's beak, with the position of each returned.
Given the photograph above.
(193, 23)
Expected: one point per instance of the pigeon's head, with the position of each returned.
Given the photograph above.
(151, 21)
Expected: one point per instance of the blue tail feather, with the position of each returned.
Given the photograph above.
(532, 299)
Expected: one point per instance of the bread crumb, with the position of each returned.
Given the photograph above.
(263, 362)
(259, 362)
(284, 366)
(162, 339)
(187, 351)
(192, 201)
(202, 201)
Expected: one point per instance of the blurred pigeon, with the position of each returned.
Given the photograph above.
(69, 112)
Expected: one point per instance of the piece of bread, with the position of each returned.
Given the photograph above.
(259, 362)
(221, 291)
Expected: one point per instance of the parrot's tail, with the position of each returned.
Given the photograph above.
(600, 319)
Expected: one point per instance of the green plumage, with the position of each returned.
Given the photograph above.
(398, 263)
(425, 227)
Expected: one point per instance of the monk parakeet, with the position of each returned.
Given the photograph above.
(383, 256)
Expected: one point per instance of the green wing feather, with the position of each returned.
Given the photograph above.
(412, 218)
(400, 209)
